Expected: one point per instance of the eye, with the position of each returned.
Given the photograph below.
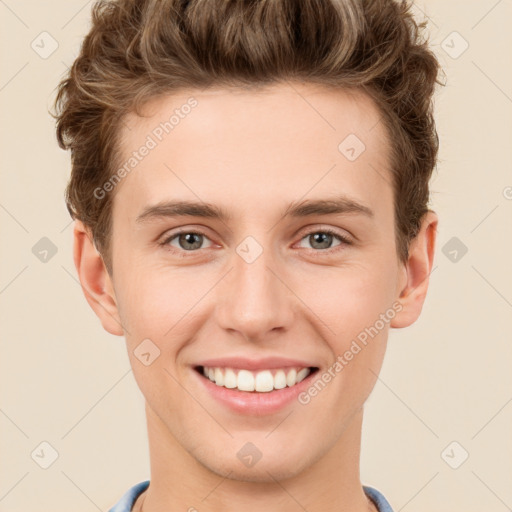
(322, 239)
(192, 241)
(185, 240)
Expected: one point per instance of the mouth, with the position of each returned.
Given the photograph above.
(255, 382)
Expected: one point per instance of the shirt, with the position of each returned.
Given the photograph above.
(128, 499)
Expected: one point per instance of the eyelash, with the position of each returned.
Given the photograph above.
(182, 253)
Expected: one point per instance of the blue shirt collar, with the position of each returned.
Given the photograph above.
(128, 499)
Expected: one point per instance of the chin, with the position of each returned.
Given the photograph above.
(263, 473)
(266, 470)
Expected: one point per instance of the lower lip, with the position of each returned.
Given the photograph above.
(255, 403)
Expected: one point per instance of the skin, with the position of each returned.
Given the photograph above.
(253, 153)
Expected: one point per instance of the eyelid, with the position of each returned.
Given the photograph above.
(172, 234)
(168, 236)
(318, 227)
(343, 238)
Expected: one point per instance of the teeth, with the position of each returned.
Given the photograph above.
(291, 377)
(280, 379)
(302, 374)
(219, 377)
(262, 381)
(230, 379)
(245, 381)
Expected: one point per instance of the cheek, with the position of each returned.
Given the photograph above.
(356, 308)
(152, 301)
(351, 299)
(156, 309)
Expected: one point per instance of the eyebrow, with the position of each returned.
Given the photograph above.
(181, 208)
(338, 205)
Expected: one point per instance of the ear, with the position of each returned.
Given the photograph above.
(95, 280)
(416, 272)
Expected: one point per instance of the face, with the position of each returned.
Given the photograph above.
(287, 258)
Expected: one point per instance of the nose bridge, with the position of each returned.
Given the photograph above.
(254, 301)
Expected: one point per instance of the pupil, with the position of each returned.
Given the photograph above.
(318, 239)
(190, 238)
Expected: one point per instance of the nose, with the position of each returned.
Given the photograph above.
(254, 300)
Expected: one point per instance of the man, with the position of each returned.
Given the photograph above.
(250, 188)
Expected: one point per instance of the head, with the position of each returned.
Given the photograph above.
(252, 110)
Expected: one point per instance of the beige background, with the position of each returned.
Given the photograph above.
(64, 380)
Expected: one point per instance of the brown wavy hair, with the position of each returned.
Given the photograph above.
(138, 49)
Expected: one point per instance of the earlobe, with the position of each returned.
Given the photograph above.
(95, 280)
(418, 268)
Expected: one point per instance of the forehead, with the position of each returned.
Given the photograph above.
(316, 105)
(285, 137)
(274, 112)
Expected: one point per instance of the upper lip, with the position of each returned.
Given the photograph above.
(266, 363)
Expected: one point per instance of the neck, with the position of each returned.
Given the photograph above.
(180, 482)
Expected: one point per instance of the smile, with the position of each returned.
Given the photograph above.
(262, 381)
